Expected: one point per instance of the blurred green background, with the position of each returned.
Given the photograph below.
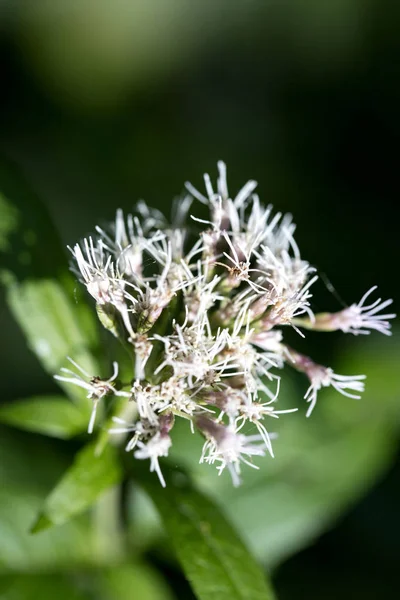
(107, 102)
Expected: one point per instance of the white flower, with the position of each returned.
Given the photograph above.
(204, 318)
(280, 237)
(287, 308)
(219, 201)
(150, 299)
(201, 295)
(360, 319)
(102, 279)
(97, 388)
(229, 448)
(271, 342)
(127, 246)
(250, 231)
(143, 348)
(178, 397)
(320, 376)
(356, 319)
(239, 267)
(156, 447)
(146, 398)
(151, 217)
(141, 429)
(324, 377)
(98, 272)
(254, 412)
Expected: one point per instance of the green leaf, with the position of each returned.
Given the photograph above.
(84, 482)
(44, 586)
(41, 294)
(215, 560)
(322, 464)
(128, 582)
(55, 416)
(29, 466)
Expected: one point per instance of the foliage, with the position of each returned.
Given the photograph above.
(321, 466)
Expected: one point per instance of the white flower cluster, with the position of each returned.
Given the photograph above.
(201, 314)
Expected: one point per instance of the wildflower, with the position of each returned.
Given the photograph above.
(356, 319)
(360, 319)
(204, 318)
(239, 266)
(143, 348)
(255, 412)
(127, 247)
(324, 377)
(145, 397)
(320, 376)
(228, 448)
(97, 388)
(102, 279)
(156, 447)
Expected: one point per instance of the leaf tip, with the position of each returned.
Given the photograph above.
(41, 523)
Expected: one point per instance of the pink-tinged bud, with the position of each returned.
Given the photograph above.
(210, 428)
(100, 290)
(259, 306)
(320, 376)
(356, 319)
(166, 422)
(228, 401)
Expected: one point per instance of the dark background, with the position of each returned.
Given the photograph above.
(104, 104)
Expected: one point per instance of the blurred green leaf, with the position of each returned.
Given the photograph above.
(39, 289)
(29, 467)
(132, 581)
(215, 560)
(55, 416)
(84, 482)
(43, 586)
(46, 315)
(136, 581)
(321, 465)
